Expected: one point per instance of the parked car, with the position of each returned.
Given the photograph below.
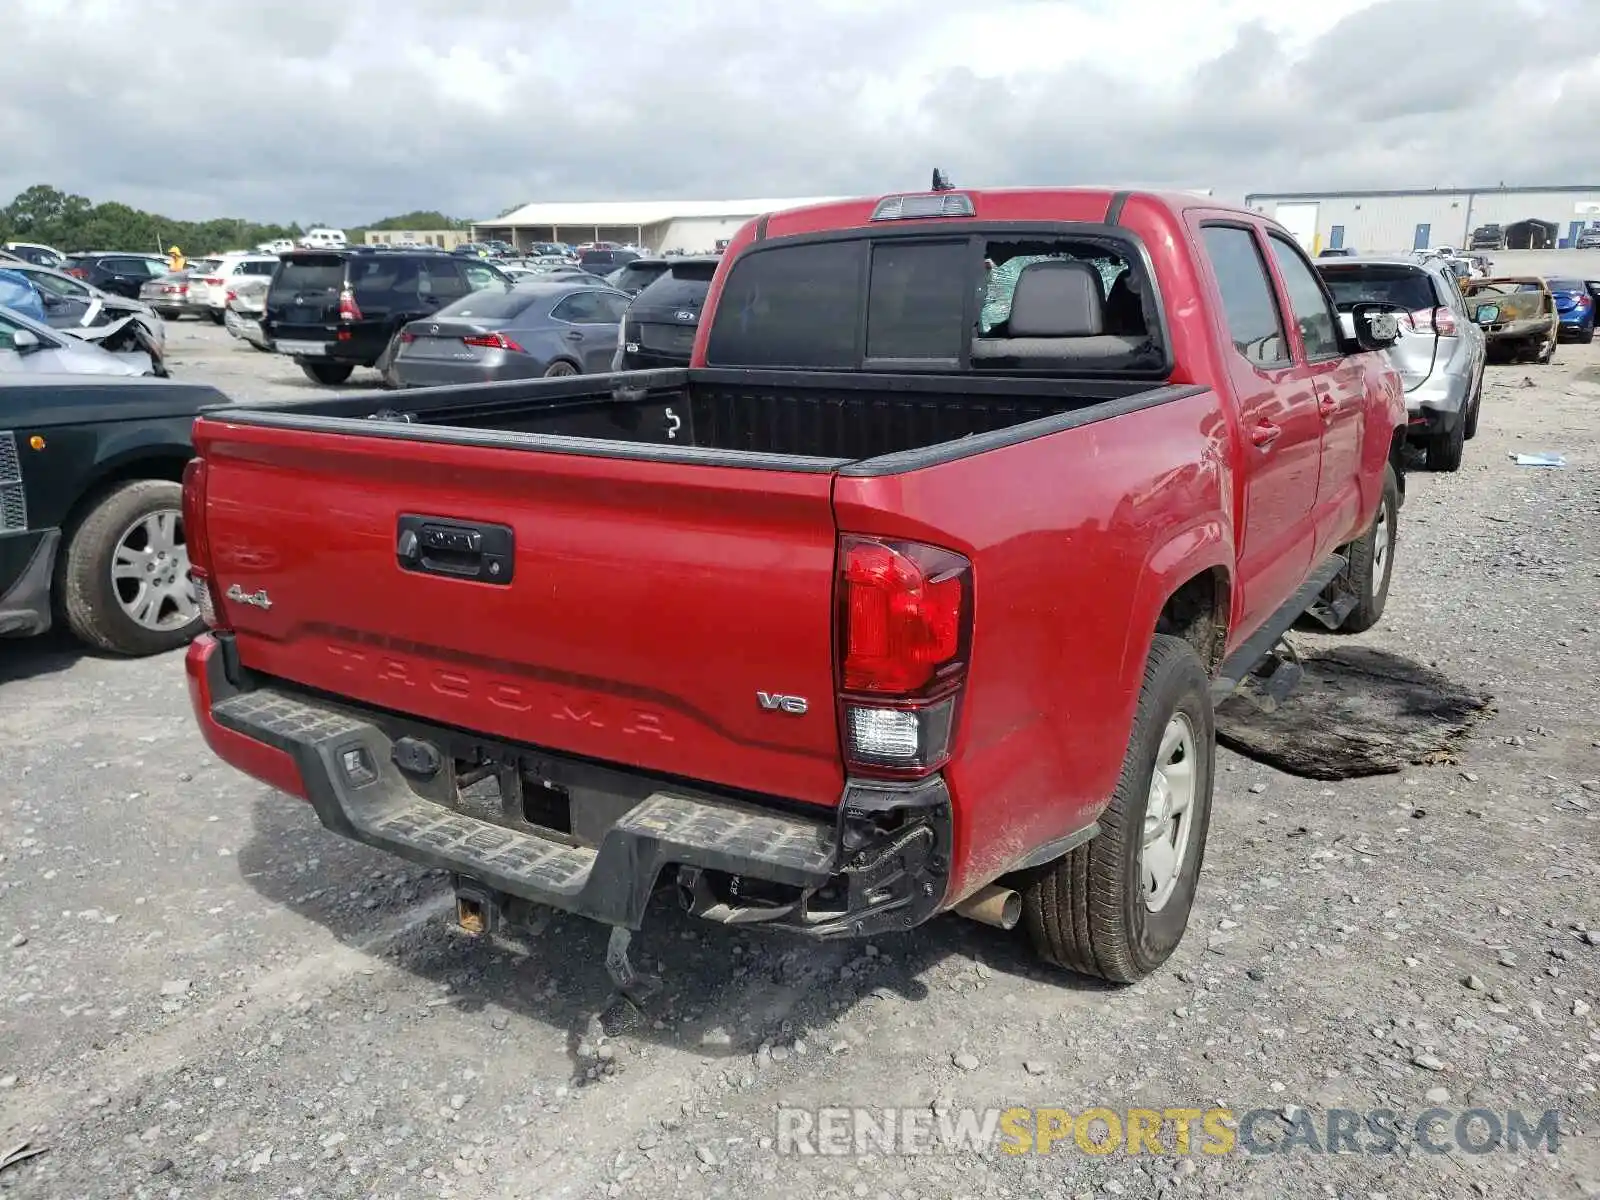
(324, 239)
(1588, 238)
(91, 526)
(335, 310)
(211, 289)
(31, 347)
(120, 274)
(36, 253)
(521, 332)
(857, 619)
(658, 330)
(1440, 354)
(1574, 309)
(633, 276)
(1336, 252)
(1487, 237)
(178, 294)
(246, 300)
(1517, 315)
(276, 246)
(603, 260)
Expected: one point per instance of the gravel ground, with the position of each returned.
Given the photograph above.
(203, 994)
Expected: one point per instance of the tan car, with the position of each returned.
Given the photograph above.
(1517, 315)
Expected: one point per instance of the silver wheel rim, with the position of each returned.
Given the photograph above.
(150, 573)
(1169, 814)
(560, 371)
(1380, 548)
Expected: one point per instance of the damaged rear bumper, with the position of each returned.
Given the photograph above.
(519, 824)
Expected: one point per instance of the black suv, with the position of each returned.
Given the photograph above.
(335, 310)
(658, 328)
(603, 262)
(120, 274)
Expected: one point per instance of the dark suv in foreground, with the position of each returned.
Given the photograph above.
(335, 310)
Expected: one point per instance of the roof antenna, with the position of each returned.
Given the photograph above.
(941, 181)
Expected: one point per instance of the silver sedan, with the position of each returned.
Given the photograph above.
(521, 332)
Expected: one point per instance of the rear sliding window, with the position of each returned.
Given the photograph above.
(1405, 287)
(890, 303)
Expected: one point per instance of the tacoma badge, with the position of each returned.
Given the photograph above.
(260, 600)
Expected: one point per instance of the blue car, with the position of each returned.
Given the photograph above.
(19, 295)
(1575, 307)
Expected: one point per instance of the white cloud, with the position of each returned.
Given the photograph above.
(306, 109)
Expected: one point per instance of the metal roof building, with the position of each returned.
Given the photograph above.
(693, 226)
(1421, 219)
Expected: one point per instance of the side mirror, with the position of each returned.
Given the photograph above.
(1377, 327)
(1486, 314)
(25, 341)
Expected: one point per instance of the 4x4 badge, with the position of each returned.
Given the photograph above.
(260, 600)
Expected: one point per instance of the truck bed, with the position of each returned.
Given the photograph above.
(777, 416)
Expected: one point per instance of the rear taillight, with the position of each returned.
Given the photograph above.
(214, 281)
(407, 338)
(198, 544)
(492, 341)
(349, 310)
(1430, 320)
(230, 296)
(77, 272)
(905, 624)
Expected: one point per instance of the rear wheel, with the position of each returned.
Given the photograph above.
(1371, 560)
(1547, 349)
(329, 373)
(124, 581)
(1117, 906)
(560, 370)
(1586, 335)
(1446, 447)
(217, 316)
(1474, 405)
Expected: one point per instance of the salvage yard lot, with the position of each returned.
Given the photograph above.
(203, 994)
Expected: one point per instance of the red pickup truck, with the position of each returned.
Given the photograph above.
(912, 593)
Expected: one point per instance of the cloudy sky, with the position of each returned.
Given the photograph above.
(344, 110)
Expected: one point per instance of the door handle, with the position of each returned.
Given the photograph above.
(1264, 434)
(574, 336)
(1327, 406)
(455, 549)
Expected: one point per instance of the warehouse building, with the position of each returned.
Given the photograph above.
(1415, 219)
(690, 226)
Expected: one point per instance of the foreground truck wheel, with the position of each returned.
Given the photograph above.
(1117, 906)
(125, 574)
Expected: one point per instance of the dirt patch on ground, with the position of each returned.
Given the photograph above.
(1359, 711)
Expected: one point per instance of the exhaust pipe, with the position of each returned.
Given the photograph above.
(994, 905)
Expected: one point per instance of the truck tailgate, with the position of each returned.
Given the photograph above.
(649, 602)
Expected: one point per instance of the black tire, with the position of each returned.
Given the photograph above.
(1545, 351)
(330, 373)
(560, 369)
(1586, 336)
(217, 316)
(167, 314)
(1369, 574)
(387, 370)
(1446, 447)
(1474, 407)
(88, 597)
(1087, 911)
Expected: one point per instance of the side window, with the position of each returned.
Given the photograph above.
(614, 306)
(480, 277)
(1319, 330)
(443, 279)
(582, 308)
(1247, 298)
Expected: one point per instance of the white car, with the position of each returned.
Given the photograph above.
(324, 239)
(211, 289)
(28, 347)
(276, 246)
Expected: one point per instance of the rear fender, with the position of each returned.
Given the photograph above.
(1205, 546)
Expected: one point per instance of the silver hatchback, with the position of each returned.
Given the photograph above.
(1440, 355)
